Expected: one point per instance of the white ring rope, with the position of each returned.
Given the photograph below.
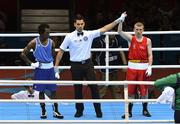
(77, 100)
(63, 34)
(84, 121)
(15, 82)
(96, 67)
(67, 83)
(102, 49)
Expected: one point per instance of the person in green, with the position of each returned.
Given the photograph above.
(173, 81)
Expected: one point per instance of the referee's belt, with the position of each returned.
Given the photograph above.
(82, 62)
(138, 61)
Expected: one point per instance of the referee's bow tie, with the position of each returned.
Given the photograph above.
(80, 33)
(30, 95)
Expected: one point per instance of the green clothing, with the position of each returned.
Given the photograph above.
(171, 81)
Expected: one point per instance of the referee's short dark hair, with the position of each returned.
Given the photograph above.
(42, 27)
(78, 17)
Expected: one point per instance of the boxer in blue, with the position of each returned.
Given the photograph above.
(43, 51)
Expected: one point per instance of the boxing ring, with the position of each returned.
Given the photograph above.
(25, 111)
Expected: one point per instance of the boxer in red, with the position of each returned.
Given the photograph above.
(140, 59)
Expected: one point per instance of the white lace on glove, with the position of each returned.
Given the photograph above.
(56, 70)
(35, 65)
(149, 71)
(122, 18)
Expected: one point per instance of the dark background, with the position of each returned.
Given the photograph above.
(156, 14)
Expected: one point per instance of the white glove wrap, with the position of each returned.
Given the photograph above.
(56, 70)
(149, 71)
(35, 65)
(122, 18)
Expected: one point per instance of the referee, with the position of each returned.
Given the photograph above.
(79, 43)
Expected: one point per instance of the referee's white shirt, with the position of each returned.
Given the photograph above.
(79, 46)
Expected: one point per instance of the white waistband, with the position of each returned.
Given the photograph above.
(46, 65)
(138, 66)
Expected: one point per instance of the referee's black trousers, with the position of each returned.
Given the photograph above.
(80, 72)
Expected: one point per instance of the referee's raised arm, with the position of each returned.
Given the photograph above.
(112, 24)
